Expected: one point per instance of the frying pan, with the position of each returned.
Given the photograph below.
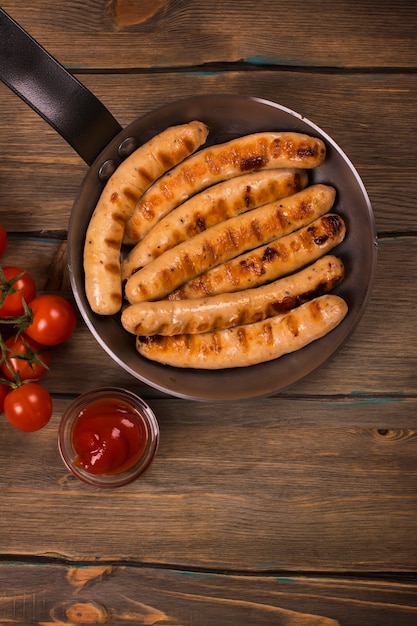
(85, 123)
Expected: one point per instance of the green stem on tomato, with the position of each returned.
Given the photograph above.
(20, 321)
(6, 286)
(4, 358)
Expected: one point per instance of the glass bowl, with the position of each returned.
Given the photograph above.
(108, 437)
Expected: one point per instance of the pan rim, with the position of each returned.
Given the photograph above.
(172, 386)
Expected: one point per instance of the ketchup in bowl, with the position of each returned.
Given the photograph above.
(108, 437)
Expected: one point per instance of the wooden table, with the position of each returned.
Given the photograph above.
(296, 509)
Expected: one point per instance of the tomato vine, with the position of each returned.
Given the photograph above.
(29, 325)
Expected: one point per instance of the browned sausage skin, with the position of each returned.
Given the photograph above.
(266, 263)
(116, 204)
(217, 163)
(249, 344)
(173, 317)
(212, 206)
(226, 240)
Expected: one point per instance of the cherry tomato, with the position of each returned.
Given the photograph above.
(33, 367)
(15, 284)
(28, 407)
(3, 240)
(4, 390)
(54, 320)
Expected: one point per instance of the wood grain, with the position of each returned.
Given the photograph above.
(295, 510)
(380, 343)
(347, 34)
(330, 492)
(48, 174)
(116, 595)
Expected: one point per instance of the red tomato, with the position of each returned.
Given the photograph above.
(54, 320)
(3, 240)
(28, 407)
(15, 284)
(4, 390)
(35, 364)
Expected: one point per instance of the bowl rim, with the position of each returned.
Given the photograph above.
(67, 423)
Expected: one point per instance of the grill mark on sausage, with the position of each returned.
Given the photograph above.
(147, 212)
(252, 163)
(166, 159)
(320, 240)
(145, 174)
(267, 334)
(198, 285)
(295, 246)
(152, 340)
(330, 227)
(257, 157)
(130, 195)
(209, 251)
(246, 197)
(297, 182)
(143, 290)
(292, 302)
(256, 229)
(112, 268)
(316, 309)
(251, 196)
(116, 297)
(112, 243)
(200, 224)
(119, 218)
(246, 156)
(291, 322)
(167, 191)
(307, 151)
(306, 208)
(212, 345)
(242, 338)
(270, 254)
(250, 266)
(188, 144)
(303, 150)
(284, 305)
(255, 265)
(187, 262)
(232, 238)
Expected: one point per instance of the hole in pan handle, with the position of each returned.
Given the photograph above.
(50, 90)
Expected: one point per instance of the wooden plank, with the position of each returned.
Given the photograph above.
(40, 174)
(47, 594)
(181, 33)
(380, 344)
(368, 137)
(273, 485)
(378, 359)
(293, 510)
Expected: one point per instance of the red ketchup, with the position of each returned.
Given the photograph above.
(108, 436)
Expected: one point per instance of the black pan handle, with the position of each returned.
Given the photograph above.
(50, 90)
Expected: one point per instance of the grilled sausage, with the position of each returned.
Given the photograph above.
(115, 206)
(210, 207)
(226, 240)
(217, 163)
(267, 263)
(248, 344)
(173, 317)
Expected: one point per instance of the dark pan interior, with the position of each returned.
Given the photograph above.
(229, 117)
